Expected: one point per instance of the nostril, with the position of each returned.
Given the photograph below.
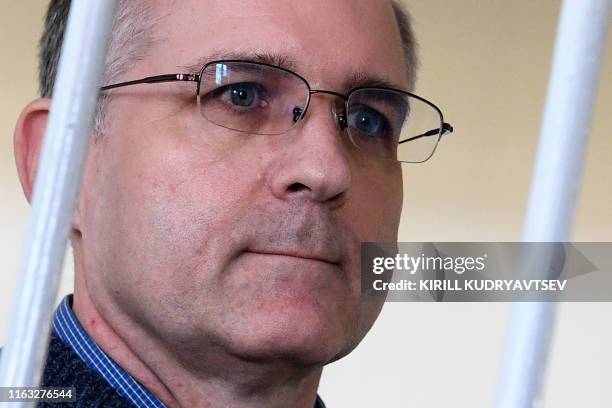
(295, 187)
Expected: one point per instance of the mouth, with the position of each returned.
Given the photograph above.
(297, 255)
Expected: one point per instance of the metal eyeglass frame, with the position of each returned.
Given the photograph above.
(298, 113)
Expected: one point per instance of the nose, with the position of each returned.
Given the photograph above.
(315, 163)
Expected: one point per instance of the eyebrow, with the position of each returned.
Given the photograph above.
(263, 57)
(358, 79)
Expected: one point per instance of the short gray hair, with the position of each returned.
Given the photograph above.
(409, 43)
(132, 36)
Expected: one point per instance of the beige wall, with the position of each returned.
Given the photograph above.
(20, 25)
(485, 63)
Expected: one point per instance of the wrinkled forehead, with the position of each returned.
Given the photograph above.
(325, 41)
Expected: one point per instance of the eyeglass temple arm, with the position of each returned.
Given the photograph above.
(155, 79)
(446, 129)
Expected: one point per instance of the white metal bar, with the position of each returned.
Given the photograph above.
(572, 89)
(58, 178)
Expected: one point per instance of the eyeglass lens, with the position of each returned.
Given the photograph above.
(260, 99)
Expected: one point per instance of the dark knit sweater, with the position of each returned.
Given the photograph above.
(65, 369)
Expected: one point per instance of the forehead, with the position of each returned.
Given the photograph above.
(326, 41)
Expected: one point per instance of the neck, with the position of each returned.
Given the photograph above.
(209, 377)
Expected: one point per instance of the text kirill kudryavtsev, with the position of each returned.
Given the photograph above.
(508, 285)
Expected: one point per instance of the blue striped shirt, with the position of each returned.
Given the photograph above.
(68, 328)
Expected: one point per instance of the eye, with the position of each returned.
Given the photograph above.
(368, 122)
(243, 95)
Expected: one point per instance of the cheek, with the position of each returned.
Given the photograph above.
(376, 204)
(160, 211)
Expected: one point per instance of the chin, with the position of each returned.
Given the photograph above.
(281, 308)
(292, 331)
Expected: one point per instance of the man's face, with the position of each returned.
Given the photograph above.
(202, 236)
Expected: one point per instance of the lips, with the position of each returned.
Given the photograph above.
(326, 258)
(303, 231)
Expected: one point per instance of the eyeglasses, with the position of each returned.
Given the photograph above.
(263, 99)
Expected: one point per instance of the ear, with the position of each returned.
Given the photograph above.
(28, 139)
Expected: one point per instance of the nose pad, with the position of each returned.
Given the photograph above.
(339, 112)
(297, 114)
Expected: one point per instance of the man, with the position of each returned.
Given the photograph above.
(217, 232)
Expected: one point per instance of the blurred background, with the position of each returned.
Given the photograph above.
(486, 65)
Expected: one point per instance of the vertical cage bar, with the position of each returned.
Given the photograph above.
(59, 174)
(572, 89)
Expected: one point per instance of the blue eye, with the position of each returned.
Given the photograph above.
(241, 94)
(368, 122)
